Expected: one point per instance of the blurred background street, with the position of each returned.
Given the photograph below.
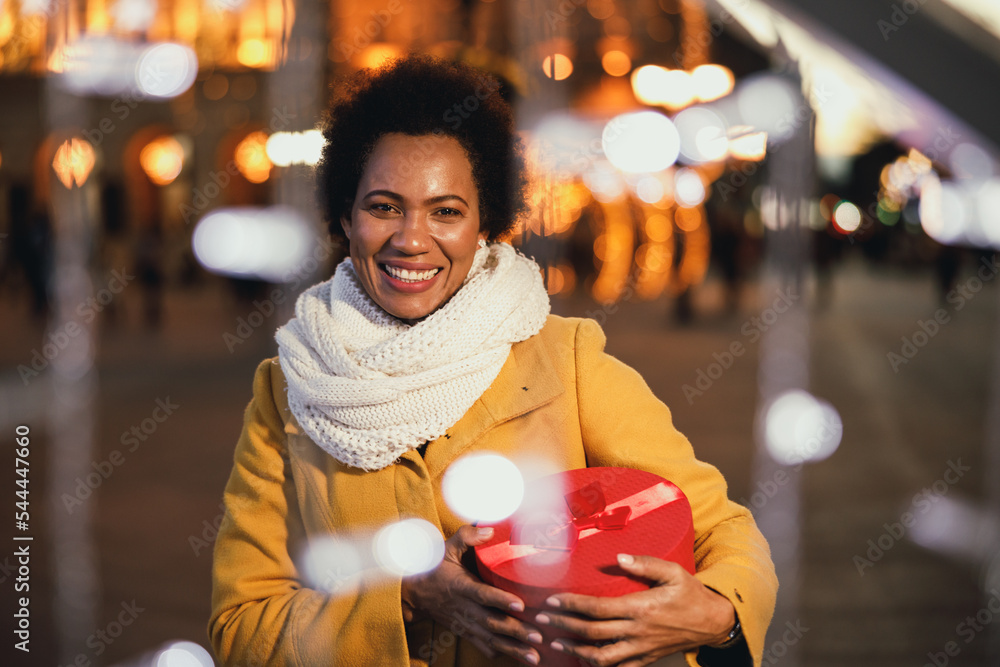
(786, 218)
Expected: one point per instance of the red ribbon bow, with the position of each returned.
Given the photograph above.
(588, 509)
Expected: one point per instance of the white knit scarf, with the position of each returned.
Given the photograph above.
(367, 387)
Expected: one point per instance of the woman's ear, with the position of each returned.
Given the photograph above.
(345, 224)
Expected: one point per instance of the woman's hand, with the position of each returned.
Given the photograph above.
(468, 607)
(676, 614)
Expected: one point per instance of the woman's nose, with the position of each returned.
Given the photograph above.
(413, 236)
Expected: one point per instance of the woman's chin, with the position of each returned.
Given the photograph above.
(406, 310)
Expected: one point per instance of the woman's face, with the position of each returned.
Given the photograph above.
(414, 224)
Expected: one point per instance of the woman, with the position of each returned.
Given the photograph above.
(431, 341)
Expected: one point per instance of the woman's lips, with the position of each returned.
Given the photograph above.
(409, 280)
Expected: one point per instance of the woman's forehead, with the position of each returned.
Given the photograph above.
(425, 165)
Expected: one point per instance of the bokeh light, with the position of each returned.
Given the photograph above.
(604, 182)
(712, 82)
(285, 148)
(254, 53)
(483, 487)
(942, 211)
(650, 189)
(616, 63)
(408, 547)
(769, 104)
(166, 69)
(650, 83)
(162, 159)
(689, 189)
(702, 135)
(642, 141)
(328, 562)
(377, 54)
(270, 244)
(183, 654)
(679, 89)
(988, 208)
(557, 66)
(751, 146)
(799, 427)
(846, 217)
(251, 157)
(73, 161)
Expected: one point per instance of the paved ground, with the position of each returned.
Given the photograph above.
(901, 430)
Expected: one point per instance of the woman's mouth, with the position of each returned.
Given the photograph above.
(408, 275)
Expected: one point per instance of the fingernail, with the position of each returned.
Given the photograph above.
(534, 638)
(543, 619)
(553, 602)
(557, 646)
(532, 658)
(517, 606)
(485, 532)
(625, 559)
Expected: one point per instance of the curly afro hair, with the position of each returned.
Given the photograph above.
(421, 95)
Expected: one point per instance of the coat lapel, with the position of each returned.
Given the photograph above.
(527, 381)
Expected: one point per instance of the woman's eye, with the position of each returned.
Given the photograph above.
(382, 208)
(449, 212)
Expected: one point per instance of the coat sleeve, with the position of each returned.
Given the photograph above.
(625, 425)
(263, 612)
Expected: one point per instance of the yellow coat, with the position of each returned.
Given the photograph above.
(558, 395)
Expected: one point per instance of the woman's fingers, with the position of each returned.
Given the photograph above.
(515, 649)
(465, 537)
(663, 572)
(491, 596)
(594, 631)
(501, 632)
(601, 656)
(594, 607)
(500, 623)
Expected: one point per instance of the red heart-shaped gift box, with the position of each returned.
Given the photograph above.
(568, 531)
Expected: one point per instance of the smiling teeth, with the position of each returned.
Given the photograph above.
(408, 276)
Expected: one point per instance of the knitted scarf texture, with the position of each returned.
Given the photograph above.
(366, 387)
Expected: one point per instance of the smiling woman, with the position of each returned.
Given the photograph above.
(432, 341)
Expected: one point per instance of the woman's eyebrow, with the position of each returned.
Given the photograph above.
(441, 198)
(431, 200)
(383, 193)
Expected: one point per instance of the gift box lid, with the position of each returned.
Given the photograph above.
(571, 526)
